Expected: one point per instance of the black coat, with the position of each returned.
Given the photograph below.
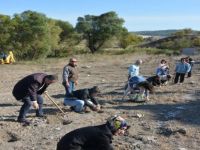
(84, 94)
(154, 80)
(87, 138)
(30, 85)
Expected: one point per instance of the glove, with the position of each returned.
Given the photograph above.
(35, 105)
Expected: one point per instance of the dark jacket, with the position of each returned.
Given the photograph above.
(84, 94)
(87, 138)
(31, 85)
(154, 80)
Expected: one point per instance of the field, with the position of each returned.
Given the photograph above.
(169, 121)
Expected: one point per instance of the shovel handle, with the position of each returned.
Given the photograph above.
(47, 95)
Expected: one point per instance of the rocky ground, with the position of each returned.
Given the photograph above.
(169, 121)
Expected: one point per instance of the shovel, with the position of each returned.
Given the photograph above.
(65, 118)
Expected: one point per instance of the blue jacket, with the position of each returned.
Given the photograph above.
(135, 80)
(182, 68)
(133, 70)
(161, 71)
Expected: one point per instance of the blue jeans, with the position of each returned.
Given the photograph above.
(77, 104)
(27, 105)
(69, 89)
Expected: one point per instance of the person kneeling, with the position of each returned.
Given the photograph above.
(94, 137)
(83, 98)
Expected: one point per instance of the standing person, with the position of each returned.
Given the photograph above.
(94, 137)
(191, 62)
(70, 76)
(29, 90)
(134, 70)
(83, 98)
(181, 69)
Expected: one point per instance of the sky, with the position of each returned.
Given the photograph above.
(139, 15)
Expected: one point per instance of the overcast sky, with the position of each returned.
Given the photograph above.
(139, 15)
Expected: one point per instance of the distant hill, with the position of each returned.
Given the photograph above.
(173, 42)
(156, 33)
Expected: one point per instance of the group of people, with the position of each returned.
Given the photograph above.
(139, 87)
(30, 89)
(81, 99)
(183, 68)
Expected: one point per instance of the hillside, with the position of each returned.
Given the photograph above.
(162, 33)
(156, 33)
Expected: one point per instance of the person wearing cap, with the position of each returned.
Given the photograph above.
(29, 91)
(94, 137)
(82, 98)
(134, 70)
(70, 76)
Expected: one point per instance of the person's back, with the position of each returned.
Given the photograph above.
(27, 85)
(81, 94)
(87, 138)
(134, 70)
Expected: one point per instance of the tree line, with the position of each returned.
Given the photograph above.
(32, 35)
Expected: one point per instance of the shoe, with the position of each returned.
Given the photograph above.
(41, 116)
(24, 121)
(72, 108)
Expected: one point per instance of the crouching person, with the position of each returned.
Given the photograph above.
(94, 137)
(89, 97)
(83, 98)
(29, 91)
(138, 89)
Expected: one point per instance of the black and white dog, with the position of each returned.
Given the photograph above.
(159, 80)
(141, 89)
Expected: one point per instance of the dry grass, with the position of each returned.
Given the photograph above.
(110, 74)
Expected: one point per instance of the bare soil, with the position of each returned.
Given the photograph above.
(169, 121)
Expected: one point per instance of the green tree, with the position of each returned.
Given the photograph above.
(196, 42)
(69, 38)
(67, 29)
(6, 29)
(127, 39)
(98, 29)
(32, 35)
(54, 36)
(183, 32)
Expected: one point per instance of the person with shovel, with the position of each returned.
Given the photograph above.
(94, 137)
(29, 91)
